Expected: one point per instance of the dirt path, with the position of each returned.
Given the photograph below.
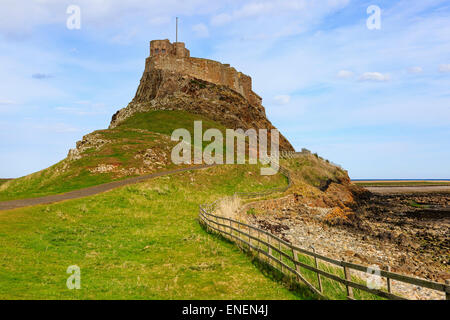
(13, 204)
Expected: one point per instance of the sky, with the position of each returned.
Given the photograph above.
(374, 100)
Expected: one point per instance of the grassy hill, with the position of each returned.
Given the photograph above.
(136, 242)
(141, 241)
(313, 170)
(111, 154)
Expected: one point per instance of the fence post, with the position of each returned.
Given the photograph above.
(203, 220)
(216, 221)
(348, 277)
(319, 280)
(270, 249)
(281, 256)
(297, 267)
(242, 235)
(249, 238)
(224, 222)
(239, 234)
(259, 244)
(447, 289)
(388, 280)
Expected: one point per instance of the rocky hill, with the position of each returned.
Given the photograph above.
(199, 86)
(175, 90)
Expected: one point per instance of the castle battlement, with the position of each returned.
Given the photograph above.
(165, 47)
(175, 57)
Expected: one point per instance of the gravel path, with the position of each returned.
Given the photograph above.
(81, 193)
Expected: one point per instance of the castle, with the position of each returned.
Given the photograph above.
(173, 80)
(175, 57)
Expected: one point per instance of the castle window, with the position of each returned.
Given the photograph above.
(163, 50)
(156, 51)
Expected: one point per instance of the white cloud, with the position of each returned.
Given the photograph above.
(318, 56)
(84, 108)
(221, 19)
(279, 7)
(20, 18)
(74, 111)
(374, 76)
(56, 127)
(415, 70)
(160, 20)
(345, 74)
(201, 30)
(274, 19)
(8, 106)
(444, 68)
(7, 102)
(124, 37)
(41, 76)
(282, 99)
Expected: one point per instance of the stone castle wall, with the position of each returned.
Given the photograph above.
(175, 57)
(164, 47)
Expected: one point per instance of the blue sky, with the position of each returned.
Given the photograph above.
(375, 101)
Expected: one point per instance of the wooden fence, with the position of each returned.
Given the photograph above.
(289, 154)
(285, 257)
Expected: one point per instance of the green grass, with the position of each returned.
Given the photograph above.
(313, 170)
(2, 181)
(137, 242)
(138, 133)
(166, 122)
(414, 204)
(331, 289)
(401, 183)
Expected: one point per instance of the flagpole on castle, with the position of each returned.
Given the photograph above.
(176, 34)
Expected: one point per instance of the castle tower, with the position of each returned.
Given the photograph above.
(176, 58)
(180, 50)
(164, 47)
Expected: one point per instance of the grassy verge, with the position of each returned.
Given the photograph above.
(136, 242)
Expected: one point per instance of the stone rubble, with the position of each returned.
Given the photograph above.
(307, 226)
(92, 140)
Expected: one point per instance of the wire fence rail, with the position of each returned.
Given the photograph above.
(284, 256)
